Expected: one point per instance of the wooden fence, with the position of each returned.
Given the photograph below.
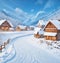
(4, 44)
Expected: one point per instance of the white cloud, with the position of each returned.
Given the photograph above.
(20, 11)
(32, 18)
(5, 10)
(38, 13)
(36, 16)
(23, 15)
(49, 4)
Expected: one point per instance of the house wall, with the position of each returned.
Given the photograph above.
(37, 35)
(5, 26)
(18, 29)
(54, 38)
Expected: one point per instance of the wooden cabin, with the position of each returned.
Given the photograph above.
(38, 33)
(21, 28)
(31, 27)
(52, 30)
(18, 28)
(5, 25)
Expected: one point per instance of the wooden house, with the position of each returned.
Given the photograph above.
(21, 28)
(31, 27)
(41, 24)
(38, 32)
(52, 30)
(5, 25)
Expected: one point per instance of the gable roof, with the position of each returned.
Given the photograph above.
(41, 22)
(56, 23)
(2, 21)
(21, 26)
(38, 30)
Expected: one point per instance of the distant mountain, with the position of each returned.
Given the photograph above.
(52, 15)
(55, 15)
(22, 19)
(4, 15)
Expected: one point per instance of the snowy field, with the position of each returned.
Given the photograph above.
(29, 50)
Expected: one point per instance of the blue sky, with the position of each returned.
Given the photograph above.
(29, 10)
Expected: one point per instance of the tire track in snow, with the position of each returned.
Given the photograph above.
(12, 40)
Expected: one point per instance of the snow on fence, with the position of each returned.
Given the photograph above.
(4, 44)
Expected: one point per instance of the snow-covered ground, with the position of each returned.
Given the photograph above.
(11, 34)
(8, 54)
(48, 46)
(31, 50)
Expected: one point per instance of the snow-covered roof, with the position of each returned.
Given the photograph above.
(41, 31)
(41, 22)
(2, 21)
(32, 26)
(10, 23)
(38, 30)
(35, 32)
(11, 28)
(50, 33)
(21, 26)
(55, 22)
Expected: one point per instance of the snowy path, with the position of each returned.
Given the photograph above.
(27, 53)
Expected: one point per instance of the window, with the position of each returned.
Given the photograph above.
(2, 28)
